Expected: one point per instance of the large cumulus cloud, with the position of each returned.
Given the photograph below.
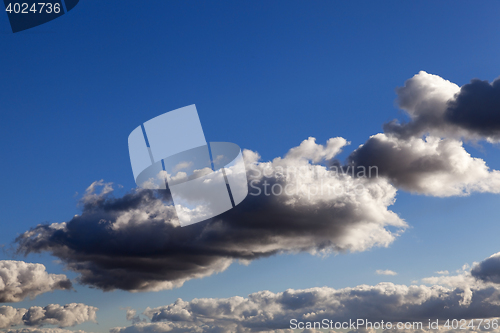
(426, 154)
(52, 314)
(19, 279)
(136, 243)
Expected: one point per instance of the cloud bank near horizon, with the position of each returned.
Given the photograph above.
(441, 297)
(464, 295)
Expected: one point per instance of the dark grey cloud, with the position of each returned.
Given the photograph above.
(476, 108)
(19, 279)
(488, 270)
(136, 243)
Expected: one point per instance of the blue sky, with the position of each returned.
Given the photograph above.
(264, 75)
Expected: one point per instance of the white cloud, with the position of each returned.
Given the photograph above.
(19, 279)
(53, 314)
(443, 272)
(267, 311)
(41, 330)
(430, 166)
(182, 166)
(385, 272)
(60, 315)
(310, 150)
(445, 297)
(10, 316)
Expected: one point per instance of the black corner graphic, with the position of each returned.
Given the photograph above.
(26, 14)
(70, 4)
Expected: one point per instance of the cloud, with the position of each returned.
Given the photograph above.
(442, 272)
(182, 165)
(488, 270)
(19, 279)
(430, 166)
(10, 316)
(135, 242)
(464, 281)
(440, 108)
(425, 99)
(132, 316)
(296, 202)
(385, 272)
(476, 109)
(41, 330)
(176, 327)
(426, 155)
(62, 316)
(53, 314)
(160, 328)
(447, 297)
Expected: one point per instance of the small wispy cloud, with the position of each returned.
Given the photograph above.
(182, 166)
(443, 272)
(385, 272)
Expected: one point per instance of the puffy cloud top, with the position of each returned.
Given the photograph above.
(19, 279)
(440, 108)
(53, 314)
